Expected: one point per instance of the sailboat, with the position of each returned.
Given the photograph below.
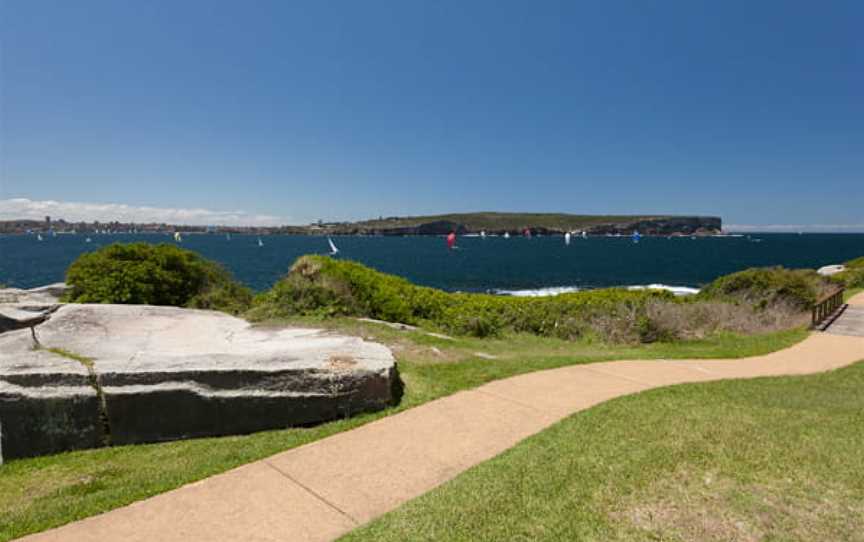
(567, 238)
(38, 236)
(333, 250)
(260, 242)
(636, 236)
(88, 240)
(506, 235)
(483, 234)
(178, 237)
(584, 234)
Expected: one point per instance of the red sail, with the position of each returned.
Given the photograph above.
(451, 240)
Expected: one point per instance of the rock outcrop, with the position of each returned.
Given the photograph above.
(829, 270)
(44, 295)
(123, 374)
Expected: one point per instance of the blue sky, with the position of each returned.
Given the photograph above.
(289, 111)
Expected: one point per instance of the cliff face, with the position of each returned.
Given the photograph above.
(684, 225)
(537, 224)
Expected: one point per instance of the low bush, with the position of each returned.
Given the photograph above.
(769, 287)
(853, 276)
(753, 301)
(699, 319)
(142, 273)
(322, 286)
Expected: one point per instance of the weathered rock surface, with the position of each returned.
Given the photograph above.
(44, 295)
(162, 373)
(828, 270)
(19, 316)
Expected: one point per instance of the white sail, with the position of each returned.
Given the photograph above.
(260, 242)
(584, 234)
(483, 234)
(38, 236)
(333, 249)
(178, 237)
(506, 235)
(567, 238)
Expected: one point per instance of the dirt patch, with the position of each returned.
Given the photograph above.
(712, 508)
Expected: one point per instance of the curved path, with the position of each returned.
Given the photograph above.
(326, 488)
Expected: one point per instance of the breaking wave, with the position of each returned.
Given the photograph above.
(555, 290)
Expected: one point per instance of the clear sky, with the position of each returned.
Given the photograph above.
(294, 111)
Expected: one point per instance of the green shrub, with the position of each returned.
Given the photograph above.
(768, 287)
(322, 286)
(141, 273)
(853, 276)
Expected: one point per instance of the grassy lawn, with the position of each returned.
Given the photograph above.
(851, 292)
(766, 459)
(40, 493)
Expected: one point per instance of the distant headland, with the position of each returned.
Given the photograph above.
(491, 223)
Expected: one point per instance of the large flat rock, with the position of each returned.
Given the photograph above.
(162, 373)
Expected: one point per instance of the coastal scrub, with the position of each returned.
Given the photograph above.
(142, 273)
(756, 301)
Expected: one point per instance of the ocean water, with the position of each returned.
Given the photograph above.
(517, 265)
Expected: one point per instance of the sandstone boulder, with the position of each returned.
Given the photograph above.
(123, 374)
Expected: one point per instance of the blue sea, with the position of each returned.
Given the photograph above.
(494, 264)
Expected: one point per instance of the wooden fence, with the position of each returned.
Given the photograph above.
(826, 306)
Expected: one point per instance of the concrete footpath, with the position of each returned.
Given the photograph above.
(322, 490)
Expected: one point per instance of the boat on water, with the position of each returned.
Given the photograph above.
(38, 236)
(260, 242)
(636, 236)
(177, 237)
(88, 240)
(451, 240)
(567, 238)
(506, 235)
(483, 234)
(333, 250)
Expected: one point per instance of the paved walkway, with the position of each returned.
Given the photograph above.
(322, 490)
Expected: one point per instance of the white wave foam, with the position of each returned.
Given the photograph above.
(677, 290)
(539, 292)
(555, 290)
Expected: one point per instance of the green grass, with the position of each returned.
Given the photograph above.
(765, 459)
(40, 493)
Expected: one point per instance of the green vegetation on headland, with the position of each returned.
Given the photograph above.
(490, 222)
(755, 300)
(498, 223)
(763, 459)
(751, 301)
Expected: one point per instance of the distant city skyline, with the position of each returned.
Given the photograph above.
(217, 112)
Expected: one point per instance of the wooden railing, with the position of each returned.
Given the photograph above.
(826, 306)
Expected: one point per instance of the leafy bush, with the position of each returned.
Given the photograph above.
(141, 273)
(322, 286)
(768, 287)
(853, 276)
